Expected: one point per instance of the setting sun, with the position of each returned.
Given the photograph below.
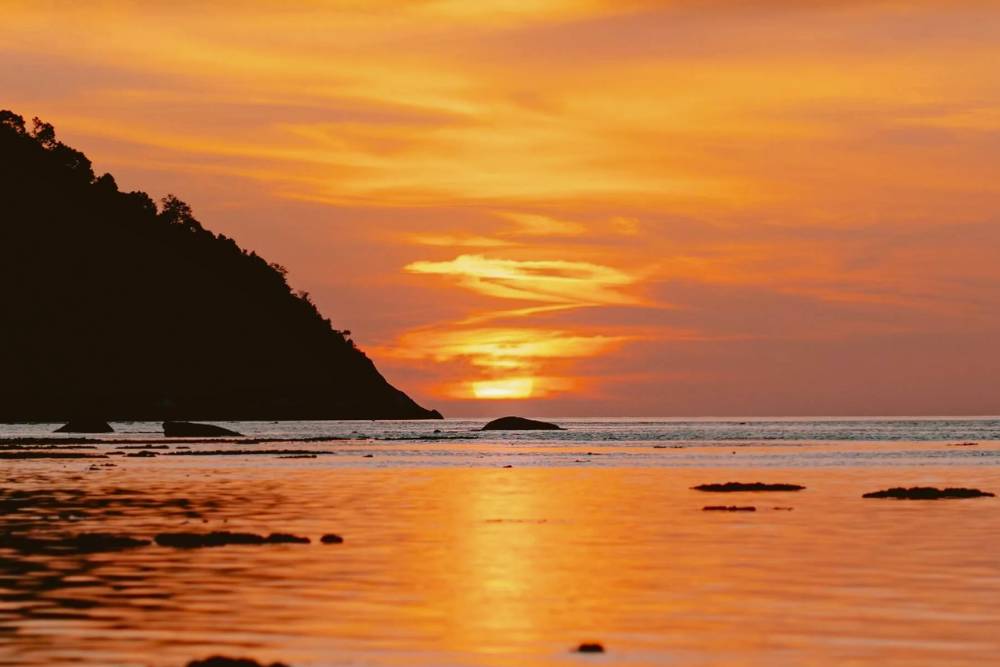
(500, 389)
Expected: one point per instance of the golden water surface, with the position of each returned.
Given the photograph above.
(503, 566)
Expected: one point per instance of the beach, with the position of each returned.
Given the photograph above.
(449, 557)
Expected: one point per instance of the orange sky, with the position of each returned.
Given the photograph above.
(579, 207)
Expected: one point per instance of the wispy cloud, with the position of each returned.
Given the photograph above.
(549, 281)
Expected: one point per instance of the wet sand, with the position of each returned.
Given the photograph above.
(451, 559)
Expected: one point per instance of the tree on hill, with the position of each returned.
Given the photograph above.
(111, 305)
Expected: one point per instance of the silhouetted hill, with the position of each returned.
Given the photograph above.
(113, 307)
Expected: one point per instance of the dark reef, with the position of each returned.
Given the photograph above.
(590, 647)
(520, 424)
(733, 487)
(223, 661)
(193, 430)
(223, 538)
(927, 493)
(86, 426)
(116, 306)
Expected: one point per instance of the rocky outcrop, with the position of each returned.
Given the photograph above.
(733, 487)
(193, 430)
(131, 309)
(520, 424)
(223, 538)
(85, 426)
(927, 493)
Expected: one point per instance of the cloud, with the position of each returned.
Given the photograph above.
(533, 224)
(548, 281)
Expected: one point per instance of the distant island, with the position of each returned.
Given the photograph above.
(116, 308)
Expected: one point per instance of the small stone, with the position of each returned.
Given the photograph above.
(590, 647)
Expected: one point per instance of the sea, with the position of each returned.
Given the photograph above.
(469, 547)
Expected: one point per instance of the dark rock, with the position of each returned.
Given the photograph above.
(590, 647)
(731, 487)
(286, 538)
(35, 454)
(213, 539)
(519, 424)
(85, 426)
(81, 543)
(927, 493)
(728, 508)
(187, 451)
(193, 430)
(222, 538)
(223, 661)
(94, 542)
(331, 538)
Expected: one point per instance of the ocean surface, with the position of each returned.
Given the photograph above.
(464, 547)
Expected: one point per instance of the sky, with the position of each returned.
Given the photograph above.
(577, 207)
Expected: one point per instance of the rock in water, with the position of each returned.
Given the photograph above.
(927, 493)
(85, 426)
(223, 661)
(193, 430)
(221, 538)
(590, 647)
(520, 424)
(735, 487)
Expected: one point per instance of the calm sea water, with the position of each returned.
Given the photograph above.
(451, 558)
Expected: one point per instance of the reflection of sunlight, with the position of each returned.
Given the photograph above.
(492, 353)
(500, 389)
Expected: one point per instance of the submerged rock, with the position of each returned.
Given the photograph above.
(81, 543)
(223, 661)
(520, 424)
(35, 454)
(927, 493)
(728, 508)
(731, 487)
(286, 538)
(221, 538)
(590, 647)
(85, 426)
(194, 430)
(331, 538)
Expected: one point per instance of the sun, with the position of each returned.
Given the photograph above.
(501, 389)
